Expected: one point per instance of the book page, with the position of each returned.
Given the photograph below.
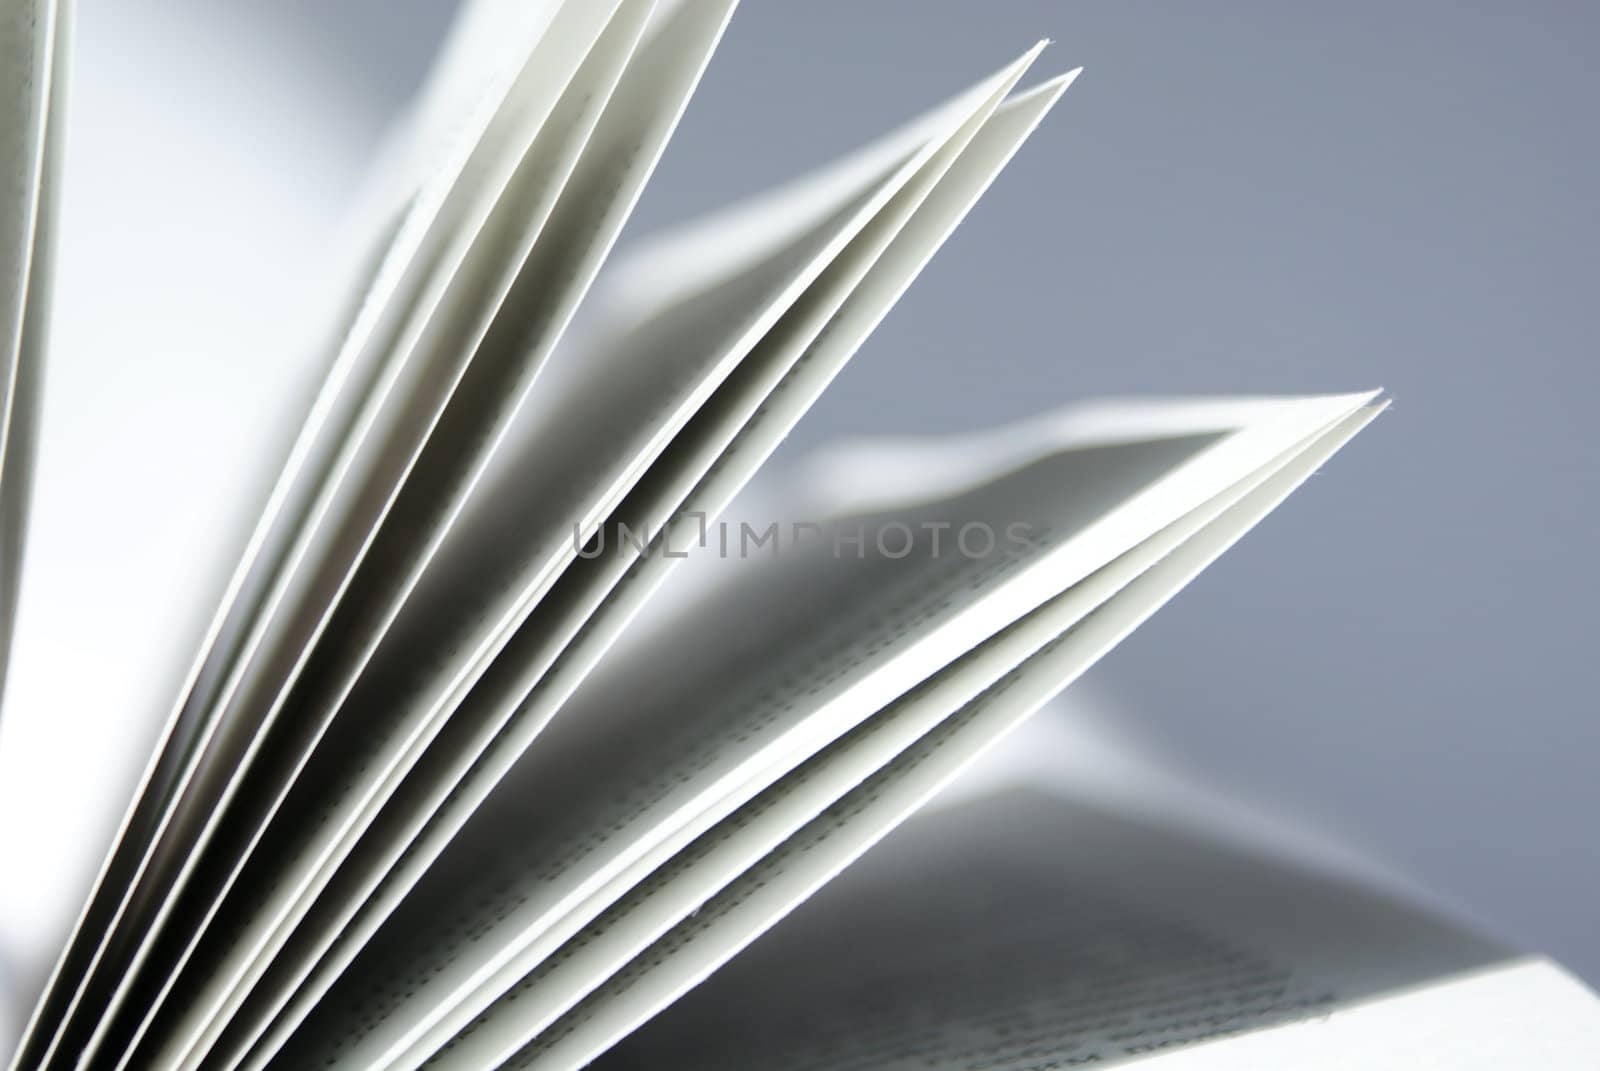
(591, 442)
(709, 434)
(1529, 1013)
(422, 367)
(871, 628)
(375, 744)
(28, 55)
(1025, 930)
(533, 1000)
(674, 742)
(725, 923)
(481, 404)
(696, 475)
(192, 764)
(182, 786)
(33, 55)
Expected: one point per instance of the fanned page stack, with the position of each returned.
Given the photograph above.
(446, 787)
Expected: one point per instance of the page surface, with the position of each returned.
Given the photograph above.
(853, 665)
(1024, 929)
(447, 470)
(698, 946)
(277, 601)
(697, 474)
(33, 59)
(655, 903)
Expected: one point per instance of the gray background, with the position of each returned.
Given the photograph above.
(1241, 196)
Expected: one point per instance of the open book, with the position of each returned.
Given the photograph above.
(458, 778)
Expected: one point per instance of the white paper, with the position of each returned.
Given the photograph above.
(483, 402)
(33, 54)
(532, 650)
(854, 665)
(806, 862)
(664, 898)
(1024, 930)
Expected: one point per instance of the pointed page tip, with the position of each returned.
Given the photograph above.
(1017, 67)
(1051, 88)
(690, 256)
(1060, 82)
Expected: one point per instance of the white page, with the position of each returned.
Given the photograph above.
(529, 658)
(694, 875)
(839, 279)
(490, 595)
(28, 77)
(33, 59)
(430, 344)
(433, 492)
(570, 874)
(754, 441)
(199, 1010)
(412, 247)
(881, 640)
(1529, 1013)
(757, 900)
(442, 207)
(1027, 930)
